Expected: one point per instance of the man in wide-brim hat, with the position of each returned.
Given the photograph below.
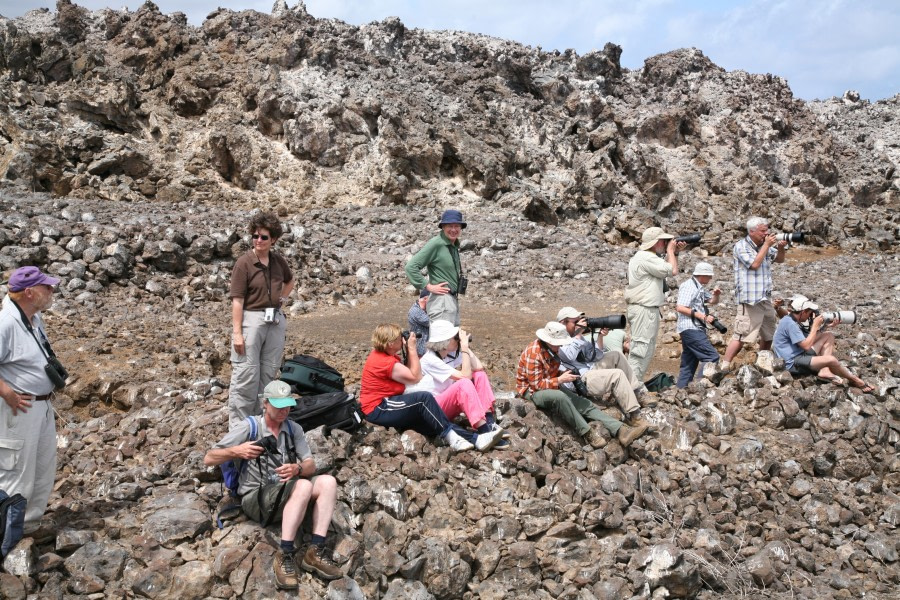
(645, 293)
(538, 379)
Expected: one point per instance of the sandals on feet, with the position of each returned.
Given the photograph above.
(867, 389)
(834, 379)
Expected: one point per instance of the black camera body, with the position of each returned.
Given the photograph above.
(56, 372)
(405, 334)
(608, 322)
(580, 385)
(268, 443)
(463, 285)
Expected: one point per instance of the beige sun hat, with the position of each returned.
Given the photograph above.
(652, 235)
(568, 312)
(554, 333)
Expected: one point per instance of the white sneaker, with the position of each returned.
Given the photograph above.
(456, 442)
(503, 433)
(486, 441)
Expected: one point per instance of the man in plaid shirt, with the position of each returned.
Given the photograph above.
(538, 379)
(693, 317)
(756, 317)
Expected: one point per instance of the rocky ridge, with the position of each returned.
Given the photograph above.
(253, 109)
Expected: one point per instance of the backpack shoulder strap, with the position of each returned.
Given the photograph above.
(291, 446)
(254, 430)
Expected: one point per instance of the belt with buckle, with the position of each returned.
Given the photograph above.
(44, 397)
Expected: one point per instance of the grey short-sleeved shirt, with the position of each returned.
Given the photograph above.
(257, 472)
(21, 358)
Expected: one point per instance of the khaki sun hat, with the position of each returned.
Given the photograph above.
(554, 333)
(652, 235)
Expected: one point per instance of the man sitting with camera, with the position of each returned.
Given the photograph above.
(278, 481)
(693, 318)
(539, 379)
(602, 373)
(811, 352)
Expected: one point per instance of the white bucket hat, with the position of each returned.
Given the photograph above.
(652, 235)
(441, 330)
(704, 268)
(554, 333)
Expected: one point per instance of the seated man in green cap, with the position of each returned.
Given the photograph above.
(278, 482)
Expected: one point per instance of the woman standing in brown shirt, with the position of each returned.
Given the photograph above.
(260, 282)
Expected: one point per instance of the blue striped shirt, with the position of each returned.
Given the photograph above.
(752, 287)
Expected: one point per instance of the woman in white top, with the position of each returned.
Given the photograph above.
(452, 372)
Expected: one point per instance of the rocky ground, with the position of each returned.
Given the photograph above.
(754, 485)
(133, 145)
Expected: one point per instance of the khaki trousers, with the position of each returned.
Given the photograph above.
(602, 382)
(644, 322)
(28, 455)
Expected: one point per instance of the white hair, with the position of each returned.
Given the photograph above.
(754, 222)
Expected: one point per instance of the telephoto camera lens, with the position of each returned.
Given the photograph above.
(719, 326)
(847, 317)
(793, 238)
(609, 322)
(691, 238)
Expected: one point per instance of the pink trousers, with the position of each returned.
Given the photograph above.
(474, 397)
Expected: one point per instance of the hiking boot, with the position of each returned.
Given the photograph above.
(315, 563)
(594, 438)
(648, 400)
(486, 441)
(456, 442)
(628, 433)
(633, 419)
(285, 574)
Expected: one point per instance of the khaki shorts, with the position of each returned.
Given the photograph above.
(755, 321)
(260, 503)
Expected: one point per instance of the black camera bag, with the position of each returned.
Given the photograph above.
(309, 375)
(334, 410)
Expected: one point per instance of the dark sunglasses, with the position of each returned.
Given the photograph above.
(259, 236)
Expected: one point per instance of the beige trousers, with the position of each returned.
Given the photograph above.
(603, 382)
(644, 323)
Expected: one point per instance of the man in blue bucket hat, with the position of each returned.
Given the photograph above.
(440, 259)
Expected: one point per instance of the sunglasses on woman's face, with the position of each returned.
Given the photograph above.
(259, 236)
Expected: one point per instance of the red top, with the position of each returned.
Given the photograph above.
(376, 382)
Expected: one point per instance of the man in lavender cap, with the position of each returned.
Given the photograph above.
(27, 426)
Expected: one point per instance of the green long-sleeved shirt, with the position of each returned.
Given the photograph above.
(437, 257)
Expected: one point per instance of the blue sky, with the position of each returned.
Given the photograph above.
(822, 47)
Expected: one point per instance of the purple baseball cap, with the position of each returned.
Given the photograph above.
(26, 277)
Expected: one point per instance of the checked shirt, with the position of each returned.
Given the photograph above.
(752, 287)
(537, 370)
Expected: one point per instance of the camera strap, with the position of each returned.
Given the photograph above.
(457, 261)
(46, 349)
(698, 293)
